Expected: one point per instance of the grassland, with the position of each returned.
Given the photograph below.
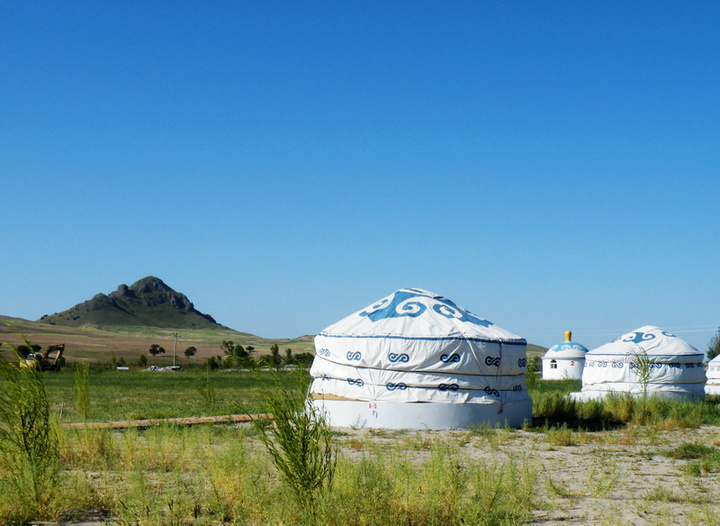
(129, 343)
(624, 461)
(631, 463)
(131, 395)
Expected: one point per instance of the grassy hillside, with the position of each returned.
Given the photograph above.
(89, 343)
(130, 342)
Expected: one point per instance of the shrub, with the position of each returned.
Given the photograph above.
(714, 347)
(300, 444)
(28, 440)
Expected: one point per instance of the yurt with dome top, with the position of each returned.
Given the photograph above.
(564, 361)
(712, 387)
(647, 361)
(415, 360)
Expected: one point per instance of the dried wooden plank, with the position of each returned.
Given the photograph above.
(124, 424)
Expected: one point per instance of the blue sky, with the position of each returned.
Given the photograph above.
(546, 165)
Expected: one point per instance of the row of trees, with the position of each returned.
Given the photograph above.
(235, 355)
(156, 349)
(243, 357)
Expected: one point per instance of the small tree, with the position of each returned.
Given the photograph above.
(304, 359)
(714, 347)
(240, 352)
(212, 363)
(155, 349)
(231, 348)
(275, 358)
(228, 347)
(190, 351)
(642, 364)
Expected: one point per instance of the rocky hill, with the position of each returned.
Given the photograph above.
(147, 302)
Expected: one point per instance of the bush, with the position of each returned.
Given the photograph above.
(300, 444)
(28, 440)
(714, 347)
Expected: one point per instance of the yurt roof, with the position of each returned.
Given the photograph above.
(649, 340)
(412, 313)
(566, 351)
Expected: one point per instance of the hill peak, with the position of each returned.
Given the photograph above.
(147, 302)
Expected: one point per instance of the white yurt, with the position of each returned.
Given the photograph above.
(564, 361)
(647, 360)
(415, 360)
(712, 387)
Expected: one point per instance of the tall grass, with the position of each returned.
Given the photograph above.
(82, 389)
(447, 488)
(28, 441)
(215, 475)
(552, 405)
(300, 444)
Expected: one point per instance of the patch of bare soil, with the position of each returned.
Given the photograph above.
(619, 477)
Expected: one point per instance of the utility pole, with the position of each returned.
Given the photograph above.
(175, 348)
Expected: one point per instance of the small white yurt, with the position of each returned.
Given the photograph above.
(415, 360)
(648, 361)
(712, 387)
(564, 361)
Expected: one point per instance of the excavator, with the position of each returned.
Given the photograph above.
(48, 360)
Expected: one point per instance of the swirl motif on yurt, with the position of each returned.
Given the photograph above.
(494, 392)
(354, 356)
(450, 358)
(399, 386)
(398, 357)
(637, 337)
(411, 303)
(448, 387)
(490, 360)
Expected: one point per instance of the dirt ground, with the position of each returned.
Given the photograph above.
(619, 477)
(608, 478)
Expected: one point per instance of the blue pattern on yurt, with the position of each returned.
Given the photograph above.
(402, 305)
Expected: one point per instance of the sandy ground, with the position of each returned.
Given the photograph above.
(619, 477)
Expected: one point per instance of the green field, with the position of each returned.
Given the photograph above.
(221, 474)
(134, 395)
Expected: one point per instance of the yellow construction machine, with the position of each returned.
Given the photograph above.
(48, 360)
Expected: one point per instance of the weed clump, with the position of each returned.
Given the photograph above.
(300, 444)
(28, 441)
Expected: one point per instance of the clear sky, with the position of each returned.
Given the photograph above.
(546, 165)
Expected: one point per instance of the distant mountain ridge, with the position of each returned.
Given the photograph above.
(147, 302)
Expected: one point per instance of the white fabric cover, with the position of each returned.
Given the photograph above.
(712, 387)
(416, 346)
(675, 367)
(568, 359)
(397, 415)
(566, 350)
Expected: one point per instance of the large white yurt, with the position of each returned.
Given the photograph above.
(564, 361)
(712, 387)
(648, 361)
(415, 360)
